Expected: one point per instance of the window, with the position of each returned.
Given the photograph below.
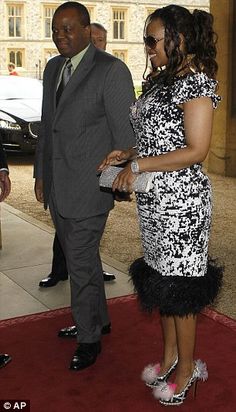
(150, 11)
(48, 54)
(15, 14)
(16, 57)
(119, 18)
(120, 54)
(48, 14)
(91, 12)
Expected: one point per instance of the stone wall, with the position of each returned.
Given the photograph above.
(35, 45)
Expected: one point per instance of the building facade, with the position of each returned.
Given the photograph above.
(25, 32)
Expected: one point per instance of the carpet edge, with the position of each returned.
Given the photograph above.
(210, 313)
(51, 313)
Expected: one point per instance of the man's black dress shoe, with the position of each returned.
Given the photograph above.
(71, 331)
(4, 360)
(50, 281)
(107, 277)
(85, 355)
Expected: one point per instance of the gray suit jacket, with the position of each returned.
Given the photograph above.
(91, 119)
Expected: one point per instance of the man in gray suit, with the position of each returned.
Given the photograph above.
(59, 270)
(85, 115)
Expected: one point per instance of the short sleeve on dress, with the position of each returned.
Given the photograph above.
(194, 86)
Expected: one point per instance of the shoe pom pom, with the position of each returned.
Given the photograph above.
(150, 373)
(164, 391)
(201, 370)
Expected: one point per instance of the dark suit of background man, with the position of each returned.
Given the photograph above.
(90, 119)
(59, 270)
(5, 188)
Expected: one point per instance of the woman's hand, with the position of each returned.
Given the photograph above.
(116, 157)
(124, 180)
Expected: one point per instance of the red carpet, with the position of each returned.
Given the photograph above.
(39, 369)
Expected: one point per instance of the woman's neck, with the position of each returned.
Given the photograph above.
(187, 66)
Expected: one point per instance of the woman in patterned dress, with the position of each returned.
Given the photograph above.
(173, 124)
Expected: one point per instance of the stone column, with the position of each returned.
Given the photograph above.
(222, 155)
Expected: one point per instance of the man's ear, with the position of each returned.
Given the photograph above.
(88, 30)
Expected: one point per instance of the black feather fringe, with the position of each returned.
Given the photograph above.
(175, 295)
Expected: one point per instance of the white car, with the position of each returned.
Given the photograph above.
(20, 112)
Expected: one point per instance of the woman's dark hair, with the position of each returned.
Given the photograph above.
(199, 39)
(82, 11)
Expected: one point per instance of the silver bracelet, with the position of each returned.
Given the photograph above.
(135, 167)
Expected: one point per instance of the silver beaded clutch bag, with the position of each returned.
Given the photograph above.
(142, 183)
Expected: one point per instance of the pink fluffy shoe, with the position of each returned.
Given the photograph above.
(165, 392)
(151, 376)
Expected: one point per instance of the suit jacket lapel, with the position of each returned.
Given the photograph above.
(84, 67)
(55, 79)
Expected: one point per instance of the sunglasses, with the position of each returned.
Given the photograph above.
(151, 41)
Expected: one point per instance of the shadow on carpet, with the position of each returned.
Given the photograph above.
(39, 368)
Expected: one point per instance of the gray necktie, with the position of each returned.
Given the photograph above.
(66, 75)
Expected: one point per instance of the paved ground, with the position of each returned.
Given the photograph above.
(121, 240)
(25, 259)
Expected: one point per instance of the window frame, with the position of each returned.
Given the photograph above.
(125, 11)
(55, 6)
(91, 10)
(44, 17)
(150, 10)
(20, 5)
(47, 50)
(16, 50)
(119, 51)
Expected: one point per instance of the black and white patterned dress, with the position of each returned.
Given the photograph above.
(175, 216)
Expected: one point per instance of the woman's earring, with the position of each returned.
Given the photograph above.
(190, 64)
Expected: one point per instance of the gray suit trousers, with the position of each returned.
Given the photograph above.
(80, 241)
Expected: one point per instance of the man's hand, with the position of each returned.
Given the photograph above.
(5, 185)
(38, 189)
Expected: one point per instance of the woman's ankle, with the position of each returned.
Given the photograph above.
(168, 361)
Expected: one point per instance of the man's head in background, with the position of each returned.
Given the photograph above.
(98, 36)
